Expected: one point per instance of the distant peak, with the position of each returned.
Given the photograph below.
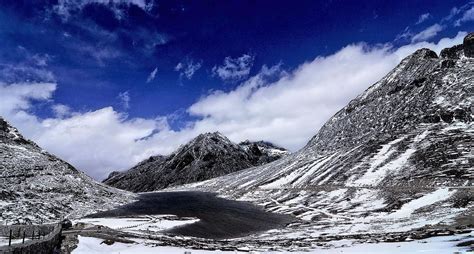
(209, 135)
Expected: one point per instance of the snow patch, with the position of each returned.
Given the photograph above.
(149, 223)
(429, 199)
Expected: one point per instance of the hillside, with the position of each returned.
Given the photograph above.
(36, 186)
(396, 158)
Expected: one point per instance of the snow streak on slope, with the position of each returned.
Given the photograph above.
(396, 158)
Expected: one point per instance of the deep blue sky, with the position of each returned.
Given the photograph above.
(96, 51)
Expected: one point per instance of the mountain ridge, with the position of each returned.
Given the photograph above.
(206, 156)
(396, 158)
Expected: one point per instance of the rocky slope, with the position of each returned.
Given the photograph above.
(206, 156)
(36, 186)
(396, 158)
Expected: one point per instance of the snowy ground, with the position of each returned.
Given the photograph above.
(434, 245)
(141, 224)
(90, 245)
(4, 241)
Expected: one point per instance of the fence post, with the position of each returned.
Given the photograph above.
(24, 232)
(33, 234)
(10, 238)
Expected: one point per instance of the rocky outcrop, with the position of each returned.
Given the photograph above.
(465, 49)
(206, 156)
(468, 45)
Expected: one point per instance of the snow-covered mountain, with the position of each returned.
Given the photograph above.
(36, 186)
(396, 158)
(206, 156)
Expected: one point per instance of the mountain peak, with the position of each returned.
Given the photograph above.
(206, 156)
(425, 53)
(214, 136)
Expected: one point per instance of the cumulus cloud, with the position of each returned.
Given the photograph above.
(16, 101)
(234, 69)
(284, 107)
(19, 96)
(152, 75)
(82, 138)
(427, 33)
(187, 68)
(423, 18)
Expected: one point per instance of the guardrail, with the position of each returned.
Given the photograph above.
(35, 239)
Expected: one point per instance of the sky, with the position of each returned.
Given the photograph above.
(104, 84)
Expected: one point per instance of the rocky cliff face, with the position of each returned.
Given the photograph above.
(208, 155)
(36, 186)
(396, 158)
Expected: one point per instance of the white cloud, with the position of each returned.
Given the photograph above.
(124, 98)
(291, 110)
(16, 100)
(41, 60)
(64, 8)
(187, 68)
(24, 71)
(19, 96)
(467, 16)
(452, 13)
(428, 33)
(288, 111)
(152, 75)
(423, 18)
(234, 69)
(61, 110)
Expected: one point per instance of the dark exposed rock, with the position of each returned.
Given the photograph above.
(466, 49)
(453, 52)
(448, 63)
(208, 155)
(425, 53)
(66, 224)
(468, 45)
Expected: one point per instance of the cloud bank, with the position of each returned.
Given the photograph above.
(286, 107)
